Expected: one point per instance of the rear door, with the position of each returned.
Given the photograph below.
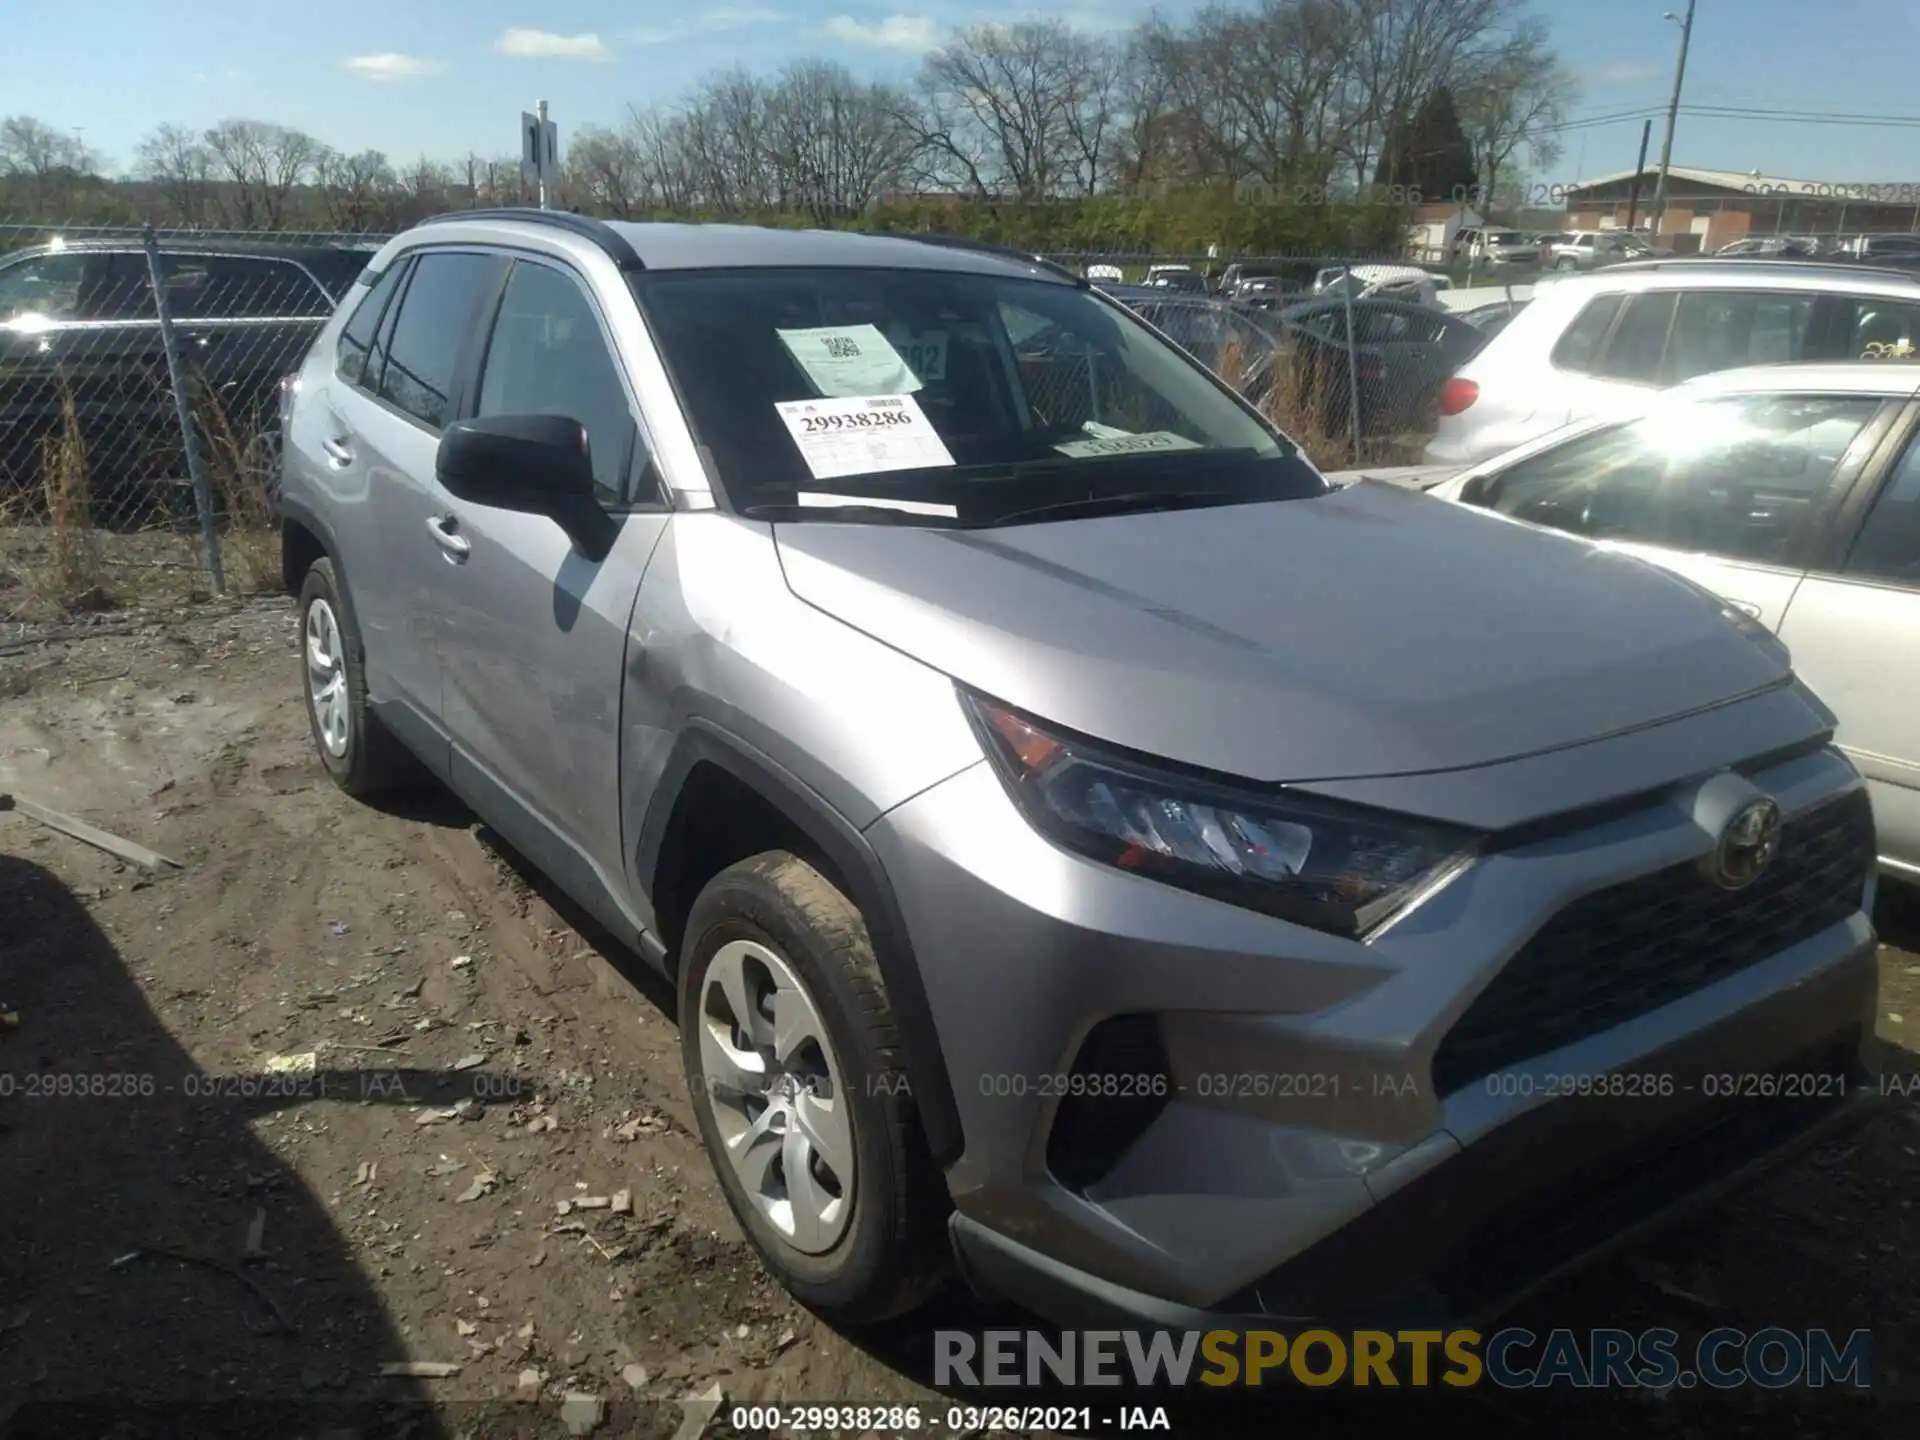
(1854, 629)
(388, 428)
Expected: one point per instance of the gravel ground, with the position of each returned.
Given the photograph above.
(472, 1154)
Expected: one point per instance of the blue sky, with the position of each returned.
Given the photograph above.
(442, 77)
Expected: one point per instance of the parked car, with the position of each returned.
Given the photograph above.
(1893, 246)
(1387, 282)
(1108, 274)
(1069, 724)
(1591, 249)
(77, 320)
(1225, 337)
(1403, 355)
(1798, 247)
(1794, 492)
(1591, 345)
(1266, 285)
(1505, 248)
(1177, 278)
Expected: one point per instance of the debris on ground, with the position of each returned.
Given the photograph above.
(481, 1187)
(303, 1062)
(582, 1412)
(698, 1411)
(422, 1369)
(635, 1376)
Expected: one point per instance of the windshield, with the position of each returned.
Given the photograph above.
(948, 396)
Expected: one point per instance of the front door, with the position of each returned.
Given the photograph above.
(534, 642)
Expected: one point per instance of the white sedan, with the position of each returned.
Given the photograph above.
(1793, 492)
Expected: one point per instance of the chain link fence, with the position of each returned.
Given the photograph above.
(139, 375)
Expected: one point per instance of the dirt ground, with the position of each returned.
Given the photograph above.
(482, 1157)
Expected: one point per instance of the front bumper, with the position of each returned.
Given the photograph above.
(1295, 1161)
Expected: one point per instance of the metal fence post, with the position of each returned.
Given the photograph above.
(1353, 364)
(183, 406)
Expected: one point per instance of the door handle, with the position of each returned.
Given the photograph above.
(337, 450)
(442, 527)
(1747, 608)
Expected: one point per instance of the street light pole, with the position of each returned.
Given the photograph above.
(1659, 210)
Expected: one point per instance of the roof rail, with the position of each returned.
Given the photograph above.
(602, 234)
(986, 247)
(1765, 262)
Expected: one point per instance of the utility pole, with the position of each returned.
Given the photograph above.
(1673, 116)
(1639, 169)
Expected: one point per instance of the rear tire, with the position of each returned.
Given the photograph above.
(853, 1226)
(358, 752)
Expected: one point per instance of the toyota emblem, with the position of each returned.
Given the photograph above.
(1747, 845)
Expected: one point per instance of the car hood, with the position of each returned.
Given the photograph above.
(1362, 633)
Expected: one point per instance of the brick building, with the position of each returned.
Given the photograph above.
(1710, 208)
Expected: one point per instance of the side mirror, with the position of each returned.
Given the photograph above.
(533, 464)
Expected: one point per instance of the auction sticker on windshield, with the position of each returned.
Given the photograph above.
(925, 351)
(1127, 444)
(863, 435)
(845, 361)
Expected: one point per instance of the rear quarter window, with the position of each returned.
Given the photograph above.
(1579, 345)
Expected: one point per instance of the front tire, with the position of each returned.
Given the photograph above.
(795, 1067)
(358, 752)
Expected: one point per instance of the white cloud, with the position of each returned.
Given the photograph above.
(914, 34)
(545, 45)
(1625, 72)
(390, 65)
(708, 22)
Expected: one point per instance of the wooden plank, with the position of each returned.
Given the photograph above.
(116, 845)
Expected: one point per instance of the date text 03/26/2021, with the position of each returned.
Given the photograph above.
(944, 1420)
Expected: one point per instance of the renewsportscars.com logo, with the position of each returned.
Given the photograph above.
(1513, 1359)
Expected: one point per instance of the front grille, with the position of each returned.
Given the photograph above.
(1620, 953)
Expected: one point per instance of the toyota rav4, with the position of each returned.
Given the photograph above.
(1093, 853)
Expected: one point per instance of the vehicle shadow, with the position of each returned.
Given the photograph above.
(162, 1271)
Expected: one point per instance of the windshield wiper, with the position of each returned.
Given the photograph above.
(1128, 502)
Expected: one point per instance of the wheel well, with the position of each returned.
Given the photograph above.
(719, 819)
(299, 548)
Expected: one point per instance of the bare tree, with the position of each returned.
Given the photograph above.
(1018, 110)
(180, 166)
(836, 145)
(357, 190)
(45, 162)
(1404, 51)
(1517, 99)
(258, 166)
(604, 170)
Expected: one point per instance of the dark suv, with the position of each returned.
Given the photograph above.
(78, 320)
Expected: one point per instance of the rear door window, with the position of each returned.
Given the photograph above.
(1724, 329)
(355, 346)
(436, 315)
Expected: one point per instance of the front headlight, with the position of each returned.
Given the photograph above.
(1334, 867)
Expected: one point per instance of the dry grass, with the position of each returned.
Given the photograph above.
(64, 574)
(241, 475)
(1297, 402)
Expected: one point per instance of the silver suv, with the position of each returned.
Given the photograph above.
(1089, 848)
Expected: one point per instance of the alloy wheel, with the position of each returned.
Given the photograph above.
(774, 1085)
(327, 678)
